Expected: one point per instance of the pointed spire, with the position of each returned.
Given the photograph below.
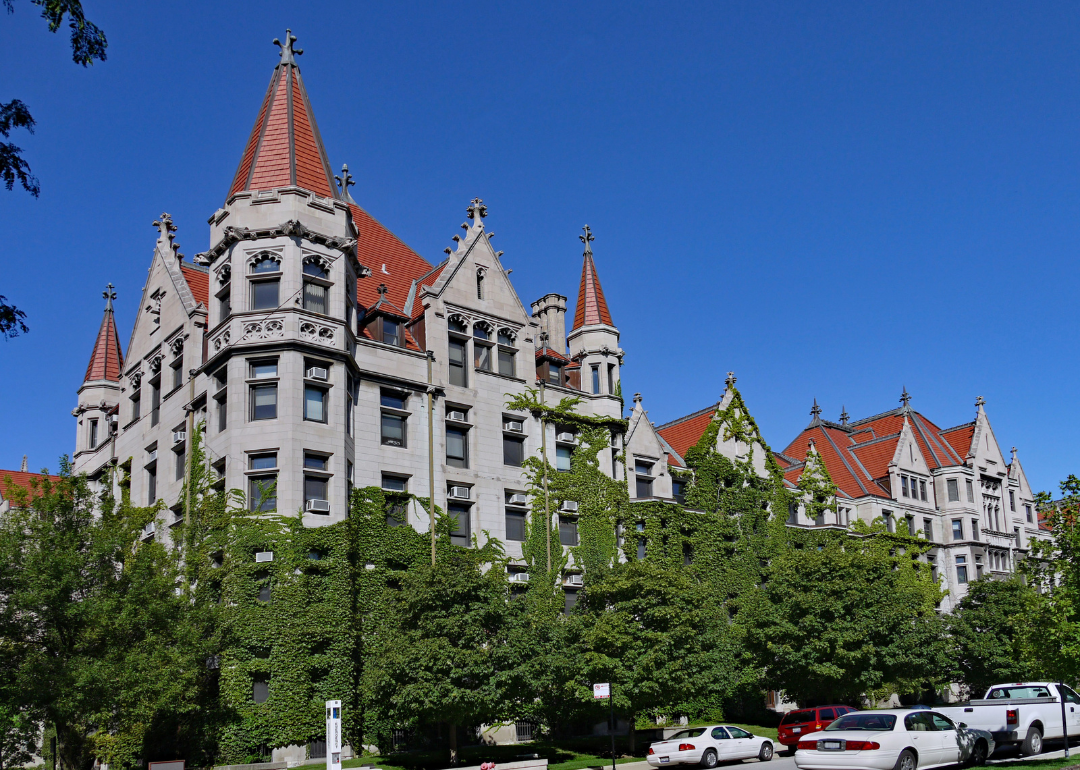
(345, 181)
(285, 148)
(815, 413)
(107, 360)
(591, 307)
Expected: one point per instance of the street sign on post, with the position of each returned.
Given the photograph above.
(333, 735)
(601, 691)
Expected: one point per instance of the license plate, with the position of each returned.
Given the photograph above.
(664, 760)
(796, 729)
(830, 745)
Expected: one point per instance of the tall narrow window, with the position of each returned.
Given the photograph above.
(568, 531)
(957, 529)
(155, 402)
(563, 455)
(93, 433)
(596, 378)
(506, 354)
(181, 462)
(391, 332)
(953, 490)
(136, 404)
(264, 402)
(554, 373)
(961, 569)
(262, 486)
(482, 348)
(922, 490)
(457, 447)
(1027, 513)
(513, 451)
(903, 485)
(611, 378)
(222, 412)
(151, 484)
(459, 515)
(456, 360)
(178, 372)
(970, 491)
(515, 516)
(479, 284)
(928, 529)
(315, 403)
(1012, 501)
(316, 293)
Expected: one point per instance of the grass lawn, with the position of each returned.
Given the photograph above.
(1045, 764)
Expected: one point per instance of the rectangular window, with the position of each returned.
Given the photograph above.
(644, 486)
(482, 354)
(260, 690)
(393, 429)
(392, 399)
(225, 305)
(315, 296)
(391, 333)
(1016, 536)
(974, 529)
(970, 490)
(222, 413)
(563, 455)
(554, 374)
(570, 598)
(903, 485)
(611, 378)
(262, 493)
(515, 524)
(315, 488)
(457, 448)
(678, 491)
(961, 569)
(641, 548)
(315, 403)
(1012, 501)
(93, 433)
(151, 485)
(953, 490)
(155, 402)
(459, 514)
(181, 462)
(513, 451)
(261, 370)
(928, 529)
(596, 378)
(1027, 513)
(264, 295)
(957, 529)
(395, 483)
(506, 362)
(264, 402)
(911, 525)
(136, 404)
(315, 462)
(177, 373)
(922, 490)
(568, 534)
(890, 525)
(456, 359)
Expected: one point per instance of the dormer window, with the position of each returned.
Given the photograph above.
(391, 332)
(554, 373)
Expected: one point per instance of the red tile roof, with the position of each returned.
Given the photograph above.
(426, 281)
(960, 438)
(285, 147)
(198, 280)
(11, 479)
(591, 306)
(685, 432)
(552, 354)
(391, 262)
(107, 360)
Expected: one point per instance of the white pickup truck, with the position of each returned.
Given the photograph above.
(1025, 713)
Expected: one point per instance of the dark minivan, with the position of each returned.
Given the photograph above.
(797, 723)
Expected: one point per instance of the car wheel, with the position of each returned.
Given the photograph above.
(978, 754)
(766, 752)
(1033, 743)
(708, 759)
(906, 761)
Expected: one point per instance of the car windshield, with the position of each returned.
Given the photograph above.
(798, 717)
(875, 722)
(695, 732)
(1019, 692)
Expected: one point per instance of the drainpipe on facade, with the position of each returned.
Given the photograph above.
(431, 453)
(547, 501)
(190, 445)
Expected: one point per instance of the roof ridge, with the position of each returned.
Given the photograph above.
(878, 416)
(690, 416)
(875, 440)
(957, 427)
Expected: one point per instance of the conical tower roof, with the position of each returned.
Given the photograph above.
(285, 148)
(591, 307)
(107, 360)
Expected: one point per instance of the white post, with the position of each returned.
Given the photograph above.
(333, 735)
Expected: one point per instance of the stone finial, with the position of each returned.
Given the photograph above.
(980, 402)
(25, 469)
(730, 381)
(905, 398)
(844, 416)
(166, 228)
(477, 210)
(288, 53)
(1014, 454)
(109, 296)
(345, 181)
(815, 412)
(637, 400)
(382, 289)
(587, 238)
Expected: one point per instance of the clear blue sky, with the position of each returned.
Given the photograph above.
(833, 200)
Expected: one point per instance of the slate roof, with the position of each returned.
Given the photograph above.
(21, 479)
(107, 360)
(591, 306)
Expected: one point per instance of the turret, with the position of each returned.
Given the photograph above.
(594, 338)
(100, 391)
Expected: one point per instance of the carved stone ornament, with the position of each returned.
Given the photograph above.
(271, 328)
(155, 363)
(224, 275)
(485, 326)
(259, 256)
(318, 259)
(509, 333)
(459, 319)
(177, 345)
(312, 332)
(221, 340)
(135, 380)
(293, 228)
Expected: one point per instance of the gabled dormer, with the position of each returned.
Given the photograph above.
(646, 457)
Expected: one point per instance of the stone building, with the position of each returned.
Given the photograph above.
(307, 338)
(952, 486)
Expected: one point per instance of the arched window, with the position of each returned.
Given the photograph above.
(479, 284)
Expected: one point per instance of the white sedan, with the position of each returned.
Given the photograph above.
(708, 746)
(896, 739)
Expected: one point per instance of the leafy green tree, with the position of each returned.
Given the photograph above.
(441, 652)
(19, 733)
(986, 632)
(640, 629)
(840, 616)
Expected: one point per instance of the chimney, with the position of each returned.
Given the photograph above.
(550, 313)
(23, 467)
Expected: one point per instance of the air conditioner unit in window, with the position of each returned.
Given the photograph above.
(514, 426)
(178, 436)
(566, 438)
(518, 499)
(318, 373)
(456, 416)
(151, 455)
(264, 556)
(317, 506)
(568, 506)
(574, 580)
(520, 577)
(459, 493)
